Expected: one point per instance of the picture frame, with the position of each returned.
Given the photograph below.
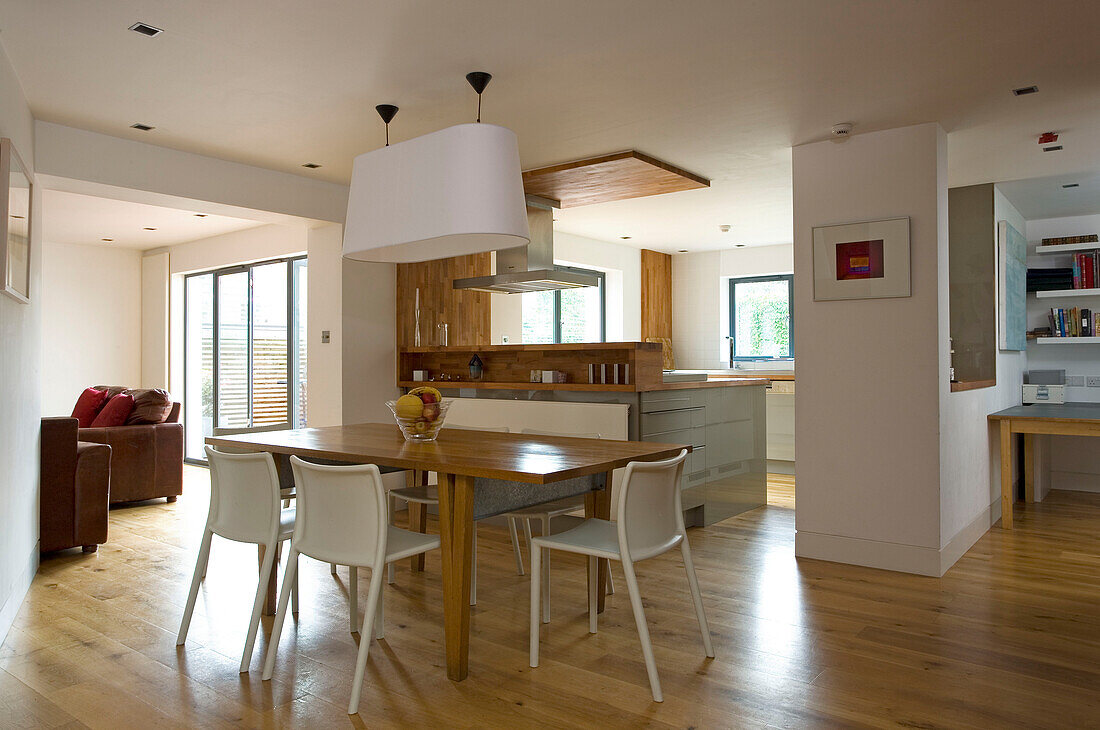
(15, 224)
(869, 260)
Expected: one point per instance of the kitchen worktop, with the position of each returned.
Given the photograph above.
(716, 382)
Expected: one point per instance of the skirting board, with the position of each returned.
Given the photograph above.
(779, 466)
(1074, 481)
(18, 593)
(894, 556)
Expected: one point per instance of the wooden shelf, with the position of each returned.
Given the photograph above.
(1066, 248)
(483, 385)
(972, 385)
(1057, 293)
(1067, 340)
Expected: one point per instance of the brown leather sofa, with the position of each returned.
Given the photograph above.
(75, 480)
(146, 459)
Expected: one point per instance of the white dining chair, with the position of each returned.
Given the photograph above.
(562, 510)
(244, 507)
(342, 518)
(428, 494)
(649, 522)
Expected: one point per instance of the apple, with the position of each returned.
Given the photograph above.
(431, 411)
(428, 397)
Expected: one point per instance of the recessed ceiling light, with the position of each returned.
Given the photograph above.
(200, 215)
(625, 238)
(311, 165)
(17, 217)
(108, 240)
(738, 245)
(142, 127)
(150, 229)
(1072, 185)
(1052, 148)
(682, 250)
(146, 29)
(1025, 90)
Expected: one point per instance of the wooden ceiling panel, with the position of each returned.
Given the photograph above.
(618, 176)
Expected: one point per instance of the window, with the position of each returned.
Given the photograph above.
(761, 317)
(244, 349)
(566, 315)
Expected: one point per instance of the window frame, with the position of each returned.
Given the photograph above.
(292, 335)
(734, 281)
(602, 276)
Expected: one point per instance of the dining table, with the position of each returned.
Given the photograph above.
(480, 473)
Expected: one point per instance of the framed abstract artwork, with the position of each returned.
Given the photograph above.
(1011, 287)
(862, 260)
(15, 224)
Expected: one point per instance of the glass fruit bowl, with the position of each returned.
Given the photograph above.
(421, 420)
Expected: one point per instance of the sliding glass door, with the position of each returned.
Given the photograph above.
(245, 350)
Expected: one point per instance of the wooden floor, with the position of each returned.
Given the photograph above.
(1009, 637)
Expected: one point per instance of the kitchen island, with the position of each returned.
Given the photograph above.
(722, 418)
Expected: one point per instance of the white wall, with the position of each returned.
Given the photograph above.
(91, 321)
(867, 421)
(369, 341)
(20, 362)
(623, 268)
(1075, 460)
(700, 300)
(154, 320)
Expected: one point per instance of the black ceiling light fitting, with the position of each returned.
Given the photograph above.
(387, 112)
(479, 80)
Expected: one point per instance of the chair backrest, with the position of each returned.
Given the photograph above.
(244, 496)
(341, 513)
(648, 507)
(576, 435)
(459, 427)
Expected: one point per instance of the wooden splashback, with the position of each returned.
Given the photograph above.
(507, 365)
(466, 312)
(656, 294)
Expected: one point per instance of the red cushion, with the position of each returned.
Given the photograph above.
(115, 412)
(88, 405)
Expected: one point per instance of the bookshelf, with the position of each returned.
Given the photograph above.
(1066, 248)
(1067, 340)
(1058, 293)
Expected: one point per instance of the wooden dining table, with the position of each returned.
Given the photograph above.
(526, 464)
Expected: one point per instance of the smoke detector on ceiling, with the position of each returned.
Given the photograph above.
(841, 132)
(724, 228)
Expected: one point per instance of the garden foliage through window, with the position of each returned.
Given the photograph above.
(761, 317)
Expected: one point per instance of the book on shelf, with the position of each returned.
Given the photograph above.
(1073, 322)
(1067, 240)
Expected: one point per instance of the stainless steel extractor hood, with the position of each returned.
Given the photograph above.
(531, 267)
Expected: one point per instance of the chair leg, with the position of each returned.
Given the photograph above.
(593, 590)
(643, 630)
(515, 545)
(258, 604)
(545, 574)
(294, 596)
(289, 576)
(353, 597)
(380, 614)
(200, 572)
(373, 596)
(473, 569)
(527, 533)
(536, 572)
(391, 506)
(332, 568)
(696, 596)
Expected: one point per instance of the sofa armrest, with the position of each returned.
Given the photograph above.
(93, 480)
(57, 464)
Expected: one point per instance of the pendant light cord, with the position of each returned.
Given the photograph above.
(479, 108)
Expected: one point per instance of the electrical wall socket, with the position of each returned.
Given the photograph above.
(504, 339)
(1093, 381)
(1077, 381)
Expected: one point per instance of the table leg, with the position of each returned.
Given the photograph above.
(598, 504)
(273, 580)
(456, 527)
(1007, 497)
(418, 515)
(1029, 467)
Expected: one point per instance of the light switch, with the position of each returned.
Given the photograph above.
(324, 337)
(1075, 381)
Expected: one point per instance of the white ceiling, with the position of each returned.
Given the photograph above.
(719, 87)
(1045, 197)
(85, 219)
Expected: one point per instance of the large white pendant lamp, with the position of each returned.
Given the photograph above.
(449, 193)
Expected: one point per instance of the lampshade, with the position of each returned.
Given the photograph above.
(449, 193)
